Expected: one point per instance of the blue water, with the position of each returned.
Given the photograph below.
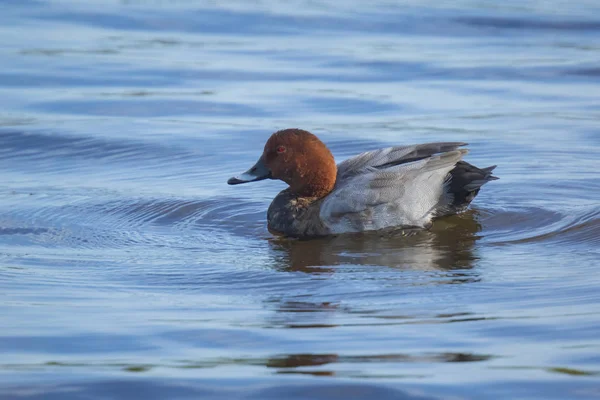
(130, 269)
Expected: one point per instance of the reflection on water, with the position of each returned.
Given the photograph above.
(296, 363)
(448, 246)
(128, 268)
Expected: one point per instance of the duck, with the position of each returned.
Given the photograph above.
(392, 188)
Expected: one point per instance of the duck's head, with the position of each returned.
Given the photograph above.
(298, 158)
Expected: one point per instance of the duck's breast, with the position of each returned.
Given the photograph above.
(296, 216)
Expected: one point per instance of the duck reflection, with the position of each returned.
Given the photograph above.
(447, 246)
(298, 363)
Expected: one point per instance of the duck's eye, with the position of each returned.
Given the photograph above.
(281, 149)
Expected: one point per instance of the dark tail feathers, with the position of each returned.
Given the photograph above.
(465, 180)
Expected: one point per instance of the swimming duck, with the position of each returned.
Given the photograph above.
(394, 187)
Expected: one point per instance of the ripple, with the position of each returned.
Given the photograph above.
(211, 390)
(107, 223)
(580, 228)
(109, 164)
(38, 147)
(23, 231)
(342, 105)
(150, 108)
(287, 363)
(534, 24)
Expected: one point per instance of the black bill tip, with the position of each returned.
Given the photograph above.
(235, 181)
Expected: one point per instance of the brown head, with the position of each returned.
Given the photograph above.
(298, 158)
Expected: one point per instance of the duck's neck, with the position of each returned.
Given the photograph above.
(315, 181)
(312, 191)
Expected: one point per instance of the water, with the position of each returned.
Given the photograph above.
(129, 269)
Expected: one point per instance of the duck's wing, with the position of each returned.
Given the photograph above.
(379, 190)
(371, 161)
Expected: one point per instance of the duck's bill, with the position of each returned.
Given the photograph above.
(257, 173)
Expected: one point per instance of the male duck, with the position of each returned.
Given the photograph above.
(394, 187)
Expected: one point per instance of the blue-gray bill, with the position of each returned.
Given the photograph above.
(257, 173)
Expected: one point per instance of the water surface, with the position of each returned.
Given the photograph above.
(128, 268)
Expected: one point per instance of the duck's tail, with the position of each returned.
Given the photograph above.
(463, 184)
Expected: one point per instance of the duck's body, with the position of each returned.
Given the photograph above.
(396, 187)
